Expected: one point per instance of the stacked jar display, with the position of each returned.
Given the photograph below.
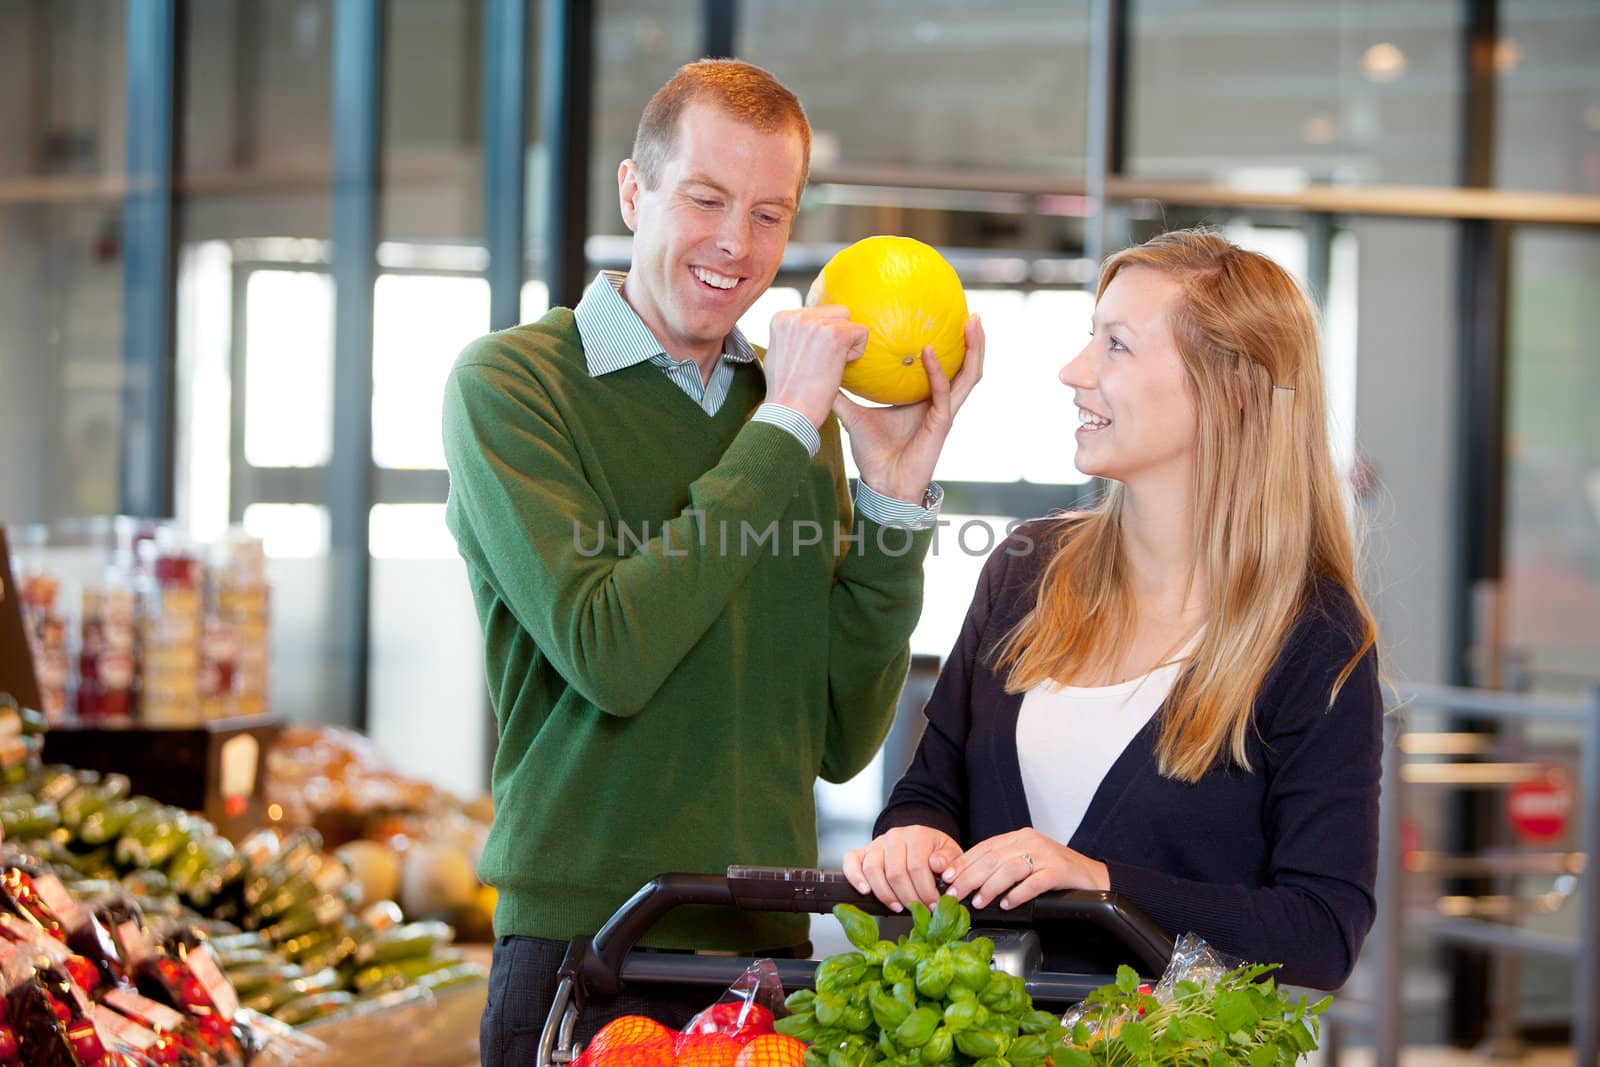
(172, 602)
(237, 648)
(127, 621)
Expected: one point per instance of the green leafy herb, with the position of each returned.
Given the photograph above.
(932, 1000)
(1243, 1020)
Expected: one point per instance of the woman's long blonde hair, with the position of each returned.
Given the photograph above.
(1270, 517)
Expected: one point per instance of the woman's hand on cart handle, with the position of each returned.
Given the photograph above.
(1014, 868)
(902, 865)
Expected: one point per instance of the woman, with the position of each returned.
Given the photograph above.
(1174, 696)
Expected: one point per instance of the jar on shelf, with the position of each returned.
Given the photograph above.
(172, 610)
(108, 649)
(44, 621)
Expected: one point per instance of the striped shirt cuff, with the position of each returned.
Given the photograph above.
(886, 511)
(791, 420)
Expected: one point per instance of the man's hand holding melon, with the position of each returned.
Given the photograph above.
(807, 357)
(894, 310)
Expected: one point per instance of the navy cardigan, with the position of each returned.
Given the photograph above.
(1276, 865)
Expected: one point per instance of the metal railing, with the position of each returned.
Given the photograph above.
(1386, 944)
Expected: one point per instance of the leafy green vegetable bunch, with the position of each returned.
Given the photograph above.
(1242, 1020)
(930, 999)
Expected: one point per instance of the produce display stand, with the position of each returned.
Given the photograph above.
(439, 1030)
(213, 767)
(604, 964)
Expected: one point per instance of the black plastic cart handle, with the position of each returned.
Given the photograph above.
(804, 890)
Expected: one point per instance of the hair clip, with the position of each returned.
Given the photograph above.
(1283, 388)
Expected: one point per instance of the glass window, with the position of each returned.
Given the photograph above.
(638, 46)
(60, 360)
(932, 85)
(296, 539)
(62, 86)
(422, 322)
(432, 222)
(427, 651)
(429, 714)
(1552, 465)
(289, 531)
(255, 113)
(288, 368)
(432, 185)
(1406, 421)
(204, 414)
(61, 159)
(410, 531)
(960, 549)
(1276, 93)
(535, 300)
(1021, 403)
(1547, 121)
(254, 312)
(253, 330)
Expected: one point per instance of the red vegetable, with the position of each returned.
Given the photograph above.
(741, 1020)
(83, 972)
(85, 1042)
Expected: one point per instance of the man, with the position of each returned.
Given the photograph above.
(686, 621)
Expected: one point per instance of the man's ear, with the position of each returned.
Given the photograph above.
(628, 192)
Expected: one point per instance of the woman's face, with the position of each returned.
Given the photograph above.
(1136, 405)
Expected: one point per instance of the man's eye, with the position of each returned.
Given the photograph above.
(1115, 345)
(769, 220)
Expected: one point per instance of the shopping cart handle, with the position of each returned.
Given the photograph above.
(816, 891)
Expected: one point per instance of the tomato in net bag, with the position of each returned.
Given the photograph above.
(716, 1037)
(746, 1010)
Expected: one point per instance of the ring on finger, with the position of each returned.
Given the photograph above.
(1028, 859)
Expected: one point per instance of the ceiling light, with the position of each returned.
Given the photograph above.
(1507, 54)
(1383, 62)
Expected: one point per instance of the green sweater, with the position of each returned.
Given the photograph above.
(665, 706)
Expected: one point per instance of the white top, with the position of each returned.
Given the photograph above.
(1069, 736)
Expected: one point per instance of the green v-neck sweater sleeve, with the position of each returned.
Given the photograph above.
(684, 626)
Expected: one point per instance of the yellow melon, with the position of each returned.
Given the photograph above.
(907, 296)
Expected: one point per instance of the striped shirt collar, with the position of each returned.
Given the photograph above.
(614, 337)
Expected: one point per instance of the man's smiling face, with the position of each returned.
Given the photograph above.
(708, 240)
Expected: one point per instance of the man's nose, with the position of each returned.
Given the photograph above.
(733, 236)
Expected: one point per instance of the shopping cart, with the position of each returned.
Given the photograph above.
(605, 964)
